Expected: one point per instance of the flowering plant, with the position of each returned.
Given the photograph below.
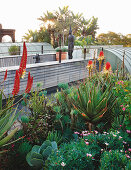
(100, 59)
(90, 67)
(8, 113)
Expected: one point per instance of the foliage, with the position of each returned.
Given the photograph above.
(41, 119)
(16, 152)
(66, 119)
(93, 101)
(63, 49)
(58, 23)
(113, 160)
(37, 36)
(7, 118)
(122, 91)
(71, 156)
(38, 155)
(112, 38)
(13, 50)
(54, 136)
(84, 41)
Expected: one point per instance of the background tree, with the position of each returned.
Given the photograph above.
(57, 25)
(112, 38)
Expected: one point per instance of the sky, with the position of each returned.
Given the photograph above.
(21, 15)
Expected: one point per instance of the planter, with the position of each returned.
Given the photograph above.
(63, 56)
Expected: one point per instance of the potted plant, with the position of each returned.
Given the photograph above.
(64, 51)
(14, 50)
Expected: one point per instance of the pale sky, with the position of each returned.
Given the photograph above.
(21, 15)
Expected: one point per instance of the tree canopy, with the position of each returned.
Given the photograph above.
(56, 25)
(112, 38)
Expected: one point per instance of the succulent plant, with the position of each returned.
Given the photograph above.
(37, 156)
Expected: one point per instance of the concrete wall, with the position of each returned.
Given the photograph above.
(48, 73)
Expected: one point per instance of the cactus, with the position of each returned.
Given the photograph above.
(38, 155)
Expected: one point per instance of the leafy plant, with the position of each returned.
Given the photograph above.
(113, 160)
(38, 155)
(7, 118)
(63, 49)
(71, 156)
(13, 50)
(54, 136)
(93, 101)
(41, 119)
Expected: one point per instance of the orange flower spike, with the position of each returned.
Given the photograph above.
(90, 66)
(23, 62)
(16, 84)
(5, 75)
(29, 83)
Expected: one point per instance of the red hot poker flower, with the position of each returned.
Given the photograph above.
(23, 62)
(29, 83)
(108, 66)
(89, 62)
(5, 75)
(16, 84)
(101, 53)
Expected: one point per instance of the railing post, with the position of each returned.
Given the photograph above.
(84, 53)
(60, 56)
(42, 49)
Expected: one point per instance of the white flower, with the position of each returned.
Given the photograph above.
(63, 164)
(120, 137)
(107, 144)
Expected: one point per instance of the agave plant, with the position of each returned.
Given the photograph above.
(7, 118)
(93, 101)
(8, 112)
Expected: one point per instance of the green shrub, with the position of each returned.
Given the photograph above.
(41, 119)
(74, 155)
(113, 160)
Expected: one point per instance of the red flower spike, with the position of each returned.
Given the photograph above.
(5, 75)
(16, 84)
(29, 83)
(89, 62)
(108, 66)
(101, 53)
(23, 62)
(83, 114)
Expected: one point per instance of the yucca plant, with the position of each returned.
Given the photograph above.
(93, 101)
